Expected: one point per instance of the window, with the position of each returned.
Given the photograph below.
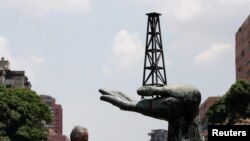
(242, 53)
(240, 29)
(239, 69)
(247, 73)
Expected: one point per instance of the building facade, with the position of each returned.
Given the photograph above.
(57, 114)
(242, 51)
(52, 136)
(158, 135)
(205, 106)
(203, 113)
(12, 79)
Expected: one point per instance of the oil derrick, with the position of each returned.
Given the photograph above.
(154, 73)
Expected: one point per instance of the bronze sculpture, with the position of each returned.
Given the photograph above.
(177, 104)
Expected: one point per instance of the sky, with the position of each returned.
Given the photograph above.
(71, 48)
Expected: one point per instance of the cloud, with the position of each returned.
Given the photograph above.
(232, 1)
(43, 7)
(180, 9)
(31, 64)
(4, 50)
(191, 32)
(106, 71)
(37, 59)
(127, 54)
(214, 57)
(187, 9)
(127, 49)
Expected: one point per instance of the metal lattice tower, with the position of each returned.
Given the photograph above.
(154, 73)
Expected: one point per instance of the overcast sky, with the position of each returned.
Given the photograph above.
(71, 48)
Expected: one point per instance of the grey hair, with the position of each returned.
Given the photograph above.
(78, 133)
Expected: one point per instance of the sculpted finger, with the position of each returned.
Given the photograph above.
(149, 91)
(116, 94)
(116, 102)
(112, 100)
(123, 96)
(105, 92)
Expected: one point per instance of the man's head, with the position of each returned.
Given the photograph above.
(79, 134)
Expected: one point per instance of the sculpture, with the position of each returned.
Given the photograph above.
(177, 104)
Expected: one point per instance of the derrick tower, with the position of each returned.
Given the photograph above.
(154, 73)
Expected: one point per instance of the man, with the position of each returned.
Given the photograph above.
(79, 134)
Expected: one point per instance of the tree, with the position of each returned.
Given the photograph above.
(233, 106)
(22, 115)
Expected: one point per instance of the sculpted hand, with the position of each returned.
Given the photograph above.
(174, 101)
(118, 99)
(177, 104)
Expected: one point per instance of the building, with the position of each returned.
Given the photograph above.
(56, 127)
(242, 57)
(242, 51)
(4, 64)
(52, 136)
(158, 135)
(57, 114)
(205, 106)
(203, 113)
(12, 79)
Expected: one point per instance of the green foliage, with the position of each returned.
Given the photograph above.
(231, 107)
(217, 112)
(22, 115)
